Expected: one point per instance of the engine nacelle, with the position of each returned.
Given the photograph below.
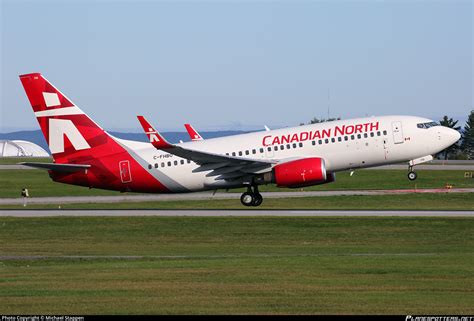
(301, 173)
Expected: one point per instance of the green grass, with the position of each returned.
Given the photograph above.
(16, 160)
(39, 184)
(425, 201)
(238, 265)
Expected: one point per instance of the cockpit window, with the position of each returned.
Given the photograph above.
(427, 125)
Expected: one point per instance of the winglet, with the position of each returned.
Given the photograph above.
(155, 138)
(193, 134)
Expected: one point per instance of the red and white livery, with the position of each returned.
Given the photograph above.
(85, 154)
(193, 134)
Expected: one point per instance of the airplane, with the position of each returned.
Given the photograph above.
(85, 154)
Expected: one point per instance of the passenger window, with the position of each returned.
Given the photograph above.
(156, 165)
(301, 144)
(169, 163)
(162, 164)
(149, 166)
(227, 154)
(240, 153)
(352, 137)
(247, 152)
(288, 146)
(282, 147)
(182, 162)
(175, 163)
(359, 136)
(346, 138)
(275, 148)
(365, 135)
(233, 153)
(189, 161)
(269, 149)
(294, 145)
(378, 133)
(254, 151)
(339, 139)
(326, 140)
(385, 132)
(372, 134)
(313, 142)
(333, 139)
(261, 150)
(320, 142)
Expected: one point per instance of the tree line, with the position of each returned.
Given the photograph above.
(463, 149)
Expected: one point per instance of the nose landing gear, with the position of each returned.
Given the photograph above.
(411, 174)
(251, 198)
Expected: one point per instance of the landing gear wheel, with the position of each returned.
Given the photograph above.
(412, 176)
(258, 199)
(247, 199)
(252, 197)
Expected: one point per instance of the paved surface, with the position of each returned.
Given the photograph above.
(226, 213)
(210, 196)
(434, 166)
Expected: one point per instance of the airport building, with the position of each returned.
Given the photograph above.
(21, 148)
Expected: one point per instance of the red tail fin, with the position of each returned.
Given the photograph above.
(71, 134)
(193, 134)
(155, 138)
(74, 138)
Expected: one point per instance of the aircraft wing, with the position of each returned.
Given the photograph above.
(224, 166)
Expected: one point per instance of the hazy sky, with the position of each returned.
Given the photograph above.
(239, 64)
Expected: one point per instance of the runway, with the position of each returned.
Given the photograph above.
(211, 196)
(232, 213)
(433, 167)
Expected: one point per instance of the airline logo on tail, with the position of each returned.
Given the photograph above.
(56, 114)
(60, 128)
(152, 135)
(51, 99)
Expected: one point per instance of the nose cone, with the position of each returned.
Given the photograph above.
(452, 136)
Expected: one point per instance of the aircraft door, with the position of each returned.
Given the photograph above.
(125, 174)
(397, 132)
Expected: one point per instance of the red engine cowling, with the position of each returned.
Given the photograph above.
(301, 173)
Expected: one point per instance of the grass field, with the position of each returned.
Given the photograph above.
(237, 265)
(16, 160)
(39, 184)
(430, 201)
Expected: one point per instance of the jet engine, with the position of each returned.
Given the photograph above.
(298, 173)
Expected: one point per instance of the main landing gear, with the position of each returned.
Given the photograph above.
(251, 198)
(411, 174)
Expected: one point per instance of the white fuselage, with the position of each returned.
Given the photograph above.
(341, 144)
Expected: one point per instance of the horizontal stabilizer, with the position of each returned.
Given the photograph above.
(68, 168)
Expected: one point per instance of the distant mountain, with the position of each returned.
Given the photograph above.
(35, 136)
